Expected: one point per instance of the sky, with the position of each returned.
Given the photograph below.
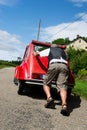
(20, 19)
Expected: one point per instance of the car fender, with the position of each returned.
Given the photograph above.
(21, 72)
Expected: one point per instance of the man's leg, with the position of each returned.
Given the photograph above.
(63, 94)
(50, 101)
(48, 79)
(47, 91)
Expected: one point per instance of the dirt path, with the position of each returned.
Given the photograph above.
(28, 112)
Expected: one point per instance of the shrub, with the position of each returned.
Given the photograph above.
(82, 74)
(78, 59)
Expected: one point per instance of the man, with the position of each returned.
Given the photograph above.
(57, 69)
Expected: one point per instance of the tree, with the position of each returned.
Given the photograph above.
(85, 38)
(61, 41)
(19, 58)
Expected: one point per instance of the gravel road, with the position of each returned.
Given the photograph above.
(28, 112)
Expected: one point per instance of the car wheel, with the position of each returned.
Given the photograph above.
(21, 85)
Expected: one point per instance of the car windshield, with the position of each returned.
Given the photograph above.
(43, 50)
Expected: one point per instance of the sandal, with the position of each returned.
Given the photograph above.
(50, 103)
(64, 110)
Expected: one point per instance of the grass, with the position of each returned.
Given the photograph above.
(4, 66)
(81, 88)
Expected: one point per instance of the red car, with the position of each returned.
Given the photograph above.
(33, 68)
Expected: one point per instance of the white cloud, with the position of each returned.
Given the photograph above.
(78, 3)
(83, 16)
(9, 56)
(8, 2)
(64, 30)
(10, 46)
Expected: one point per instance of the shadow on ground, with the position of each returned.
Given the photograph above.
(37, 92)
(74, 102)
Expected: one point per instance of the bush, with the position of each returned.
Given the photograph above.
(83, 60)
(78, 59)
(9, 63)
(82, 74)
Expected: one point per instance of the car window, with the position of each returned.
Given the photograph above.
(43, 50)
(27, 51)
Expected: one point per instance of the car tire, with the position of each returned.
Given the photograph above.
(21, 85)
